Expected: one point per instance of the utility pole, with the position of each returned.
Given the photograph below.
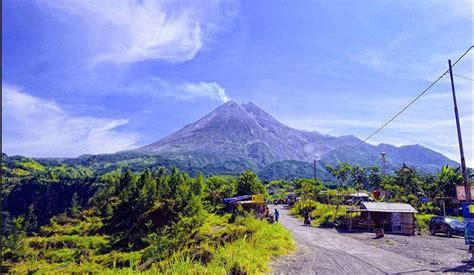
(467, 188)
(383, 163)
(314, 169)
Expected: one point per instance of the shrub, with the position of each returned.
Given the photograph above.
(61, 255)
(422, 221)
(303, 205)
(118, 259)
(68, 241)
(320, 213)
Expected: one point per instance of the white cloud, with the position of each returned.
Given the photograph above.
(157, 87)
(134, 31)
(399, 55)
(37, 127)
(206, 89)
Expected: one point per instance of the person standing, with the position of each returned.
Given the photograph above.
(307, 218)
(276, 214)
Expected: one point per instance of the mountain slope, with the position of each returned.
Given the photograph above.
(245, 133)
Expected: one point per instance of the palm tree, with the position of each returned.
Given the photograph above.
(447, 180)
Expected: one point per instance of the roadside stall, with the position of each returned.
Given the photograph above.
(397, 218)
(249, 203)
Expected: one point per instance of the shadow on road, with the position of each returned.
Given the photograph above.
(464, 268)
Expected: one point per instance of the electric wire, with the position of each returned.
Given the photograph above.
(465, 77)
(415, 99)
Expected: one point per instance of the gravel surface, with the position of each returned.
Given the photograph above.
(323, 251)
(438, 252)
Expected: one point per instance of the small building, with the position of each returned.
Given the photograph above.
(255, 203)
(397, 218)
(405, 169)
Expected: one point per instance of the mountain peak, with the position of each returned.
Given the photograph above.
(232, 103)
(250, 104)
(242, 110)
(243, 132)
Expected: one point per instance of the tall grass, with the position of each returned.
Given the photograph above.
(246, 246)
(249, 254)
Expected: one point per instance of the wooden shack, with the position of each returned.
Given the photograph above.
(397, 218)
(255, 203)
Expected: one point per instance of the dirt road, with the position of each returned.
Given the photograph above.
(322, 251)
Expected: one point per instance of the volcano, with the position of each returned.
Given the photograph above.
(236, 132)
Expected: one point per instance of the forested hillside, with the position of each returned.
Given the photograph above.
(122, 214)
(156, 220)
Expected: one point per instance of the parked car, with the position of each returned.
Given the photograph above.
(445, 225)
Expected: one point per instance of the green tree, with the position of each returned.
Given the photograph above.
(15, 241)
(198, 185)
(249, 184)
(175, 180)
(308, 188)
(163, 185)
(218, 188)
(75, 207)
(148, 191)
(358, 177)
(31, 222)
(342, 171)
(128, 186)
(447, 180)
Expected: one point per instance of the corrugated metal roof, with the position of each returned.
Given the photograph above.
(388, 207)
(359, 194)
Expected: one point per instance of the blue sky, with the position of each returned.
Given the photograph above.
(102, 76)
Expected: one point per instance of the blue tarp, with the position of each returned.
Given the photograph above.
(238, 198)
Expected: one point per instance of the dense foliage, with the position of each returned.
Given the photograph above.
(325, 203)
(122, 213)
(154, 221)
(405, 185)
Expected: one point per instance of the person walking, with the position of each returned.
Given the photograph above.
(276, 214)
(307, 218)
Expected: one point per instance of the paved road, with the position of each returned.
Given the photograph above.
(323, 251)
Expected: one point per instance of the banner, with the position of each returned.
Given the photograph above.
(257, 199)
(468, 215)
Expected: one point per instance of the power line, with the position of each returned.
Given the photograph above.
(465, 77)
(415, 99)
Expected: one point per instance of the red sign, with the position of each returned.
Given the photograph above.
(461, 193)
(376, 194)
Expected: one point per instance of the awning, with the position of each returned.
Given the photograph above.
(238, 198)
(387, 207)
